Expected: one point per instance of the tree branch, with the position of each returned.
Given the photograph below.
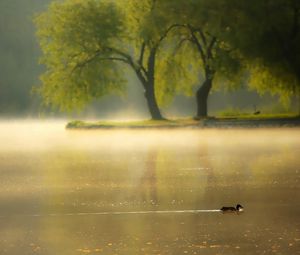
(85, 62)
(210, 46)
(165, 34)
(198, 45)
(125, 58)
(119, 52)
(202, 35)
(141, 77)
(181, 43)
(114, 58)
(138, 68)
(141, 58)
(96, 56)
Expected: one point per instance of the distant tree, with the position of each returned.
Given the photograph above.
(87, 45)
(267, 34)
(201, 35)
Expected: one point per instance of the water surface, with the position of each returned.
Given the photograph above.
(147, 192)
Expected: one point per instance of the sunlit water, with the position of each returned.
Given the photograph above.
(147, 192)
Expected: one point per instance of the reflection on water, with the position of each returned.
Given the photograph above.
(136, 192)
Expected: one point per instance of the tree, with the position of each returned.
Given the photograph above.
(200, 26)
(87, 45)
(267, 35)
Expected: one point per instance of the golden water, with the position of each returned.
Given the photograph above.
(147, 192)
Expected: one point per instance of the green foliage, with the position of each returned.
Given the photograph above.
(202, 33)
(74, 37)
(150, 25)
(87, 45)
(267, 35)
(274, 80)
(181, 67)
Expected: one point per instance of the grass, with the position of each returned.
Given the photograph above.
(77, 124)
(238, 113)
(242, 119)
(266, 116)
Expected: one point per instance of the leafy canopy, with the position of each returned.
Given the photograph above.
(267, 35)
(151, 29)
(88, 46)
(201, 37)
(76, 37)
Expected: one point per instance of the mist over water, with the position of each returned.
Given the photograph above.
(127, 192)
(24, 135)
(84, 192)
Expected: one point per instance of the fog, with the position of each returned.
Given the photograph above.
(90, 192)
(31, 135)
(136, 191)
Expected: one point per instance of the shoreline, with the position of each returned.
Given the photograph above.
(220, 123)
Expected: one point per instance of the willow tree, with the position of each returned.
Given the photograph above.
(87, 45)
(201, 34)
(267, 33)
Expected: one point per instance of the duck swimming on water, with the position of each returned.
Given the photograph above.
(238, 208)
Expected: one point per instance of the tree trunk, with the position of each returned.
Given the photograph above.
(201, 97)
(150, 88)
(152, 103)
(299, 103)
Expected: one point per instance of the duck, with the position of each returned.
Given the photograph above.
(238, 208)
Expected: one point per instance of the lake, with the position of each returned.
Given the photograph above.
(136, 191)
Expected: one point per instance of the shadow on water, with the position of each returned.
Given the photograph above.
(148, 192)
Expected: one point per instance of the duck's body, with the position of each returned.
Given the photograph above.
(238, 208)
(225, 209)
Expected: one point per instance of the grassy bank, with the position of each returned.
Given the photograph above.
(246, 116)
(243, 121)
(132, 124)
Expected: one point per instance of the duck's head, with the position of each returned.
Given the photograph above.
(239, 208)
